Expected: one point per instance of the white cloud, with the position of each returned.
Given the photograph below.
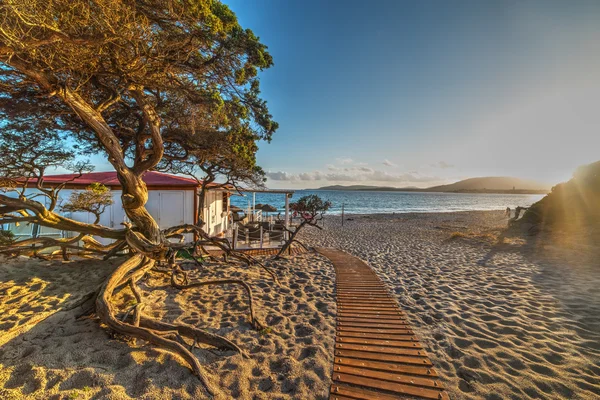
(442, 165)
(388, 163)
(350, 174)
(344, 160)
(279, 176)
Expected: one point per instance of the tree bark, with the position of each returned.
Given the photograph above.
(291, 239)
(135, 193)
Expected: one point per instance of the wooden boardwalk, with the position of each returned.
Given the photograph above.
(377, 355)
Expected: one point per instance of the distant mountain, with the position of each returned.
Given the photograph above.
(350, 187)
(492, 184)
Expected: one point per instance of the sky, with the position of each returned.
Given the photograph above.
(420, 93)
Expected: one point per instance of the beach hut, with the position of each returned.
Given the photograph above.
(172, 200)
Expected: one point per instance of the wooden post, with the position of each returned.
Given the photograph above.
(261, 236)
(287, 214)
(235, 237)
(253, 206)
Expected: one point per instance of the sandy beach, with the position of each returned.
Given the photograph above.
(518, 320)
(515, 320)
(47, 354)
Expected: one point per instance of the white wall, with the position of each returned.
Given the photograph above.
(168, 207)
(216, 221)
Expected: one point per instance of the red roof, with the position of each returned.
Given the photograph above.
(151, 178)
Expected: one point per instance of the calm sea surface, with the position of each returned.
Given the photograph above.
(359, 202)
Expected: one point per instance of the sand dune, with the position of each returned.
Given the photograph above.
(518, 320)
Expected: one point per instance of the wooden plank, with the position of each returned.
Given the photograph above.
(362, 301)
(373, 325)
(404, 330)
(380, 342)
(387, 319)
(369, 314)
(373, 309)
(368, 335)
(360, 284)
(363, 291)
(390, 316)
(397, 388)
(343, 312)
(365, 302)
(345, 353)
(364, 298)
(343, 392)
(381, 349)
(386, 366)
(359, 309)
(387, 376)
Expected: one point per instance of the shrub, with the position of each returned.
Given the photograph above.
(6, 237)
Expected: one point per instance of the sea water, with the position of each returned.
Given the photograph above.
(373, 202)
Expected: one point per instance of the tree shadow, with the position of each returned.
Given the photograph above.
(46, 348)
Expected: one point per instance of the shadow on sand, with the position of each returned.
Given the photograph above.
(46, 348)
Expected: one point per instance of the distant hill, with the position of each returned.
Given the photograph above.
(490, 184)
(350, 187)
(493, 183)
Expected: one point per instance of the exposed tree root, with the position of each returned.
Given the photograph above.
(119, 246)
(90, 243)
(256, 324)
(33, 247)
(173, 337)
(197, 335)
(106, 312)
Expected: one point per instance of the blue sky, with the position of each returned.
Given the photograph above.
(416, 93)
